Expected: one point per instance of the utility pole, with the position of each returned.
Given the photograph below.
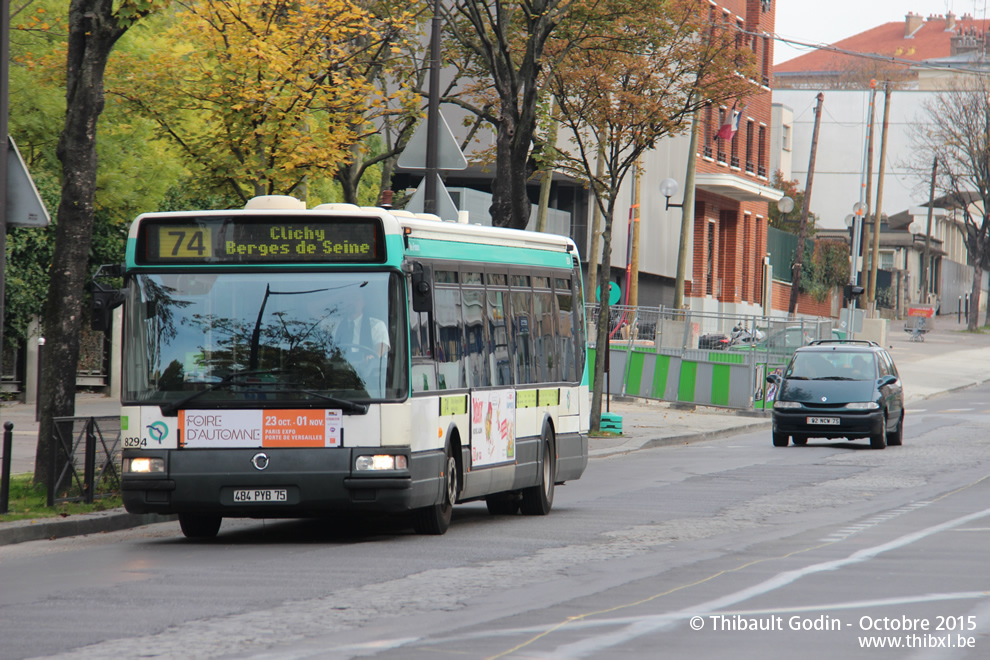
(596, 234)
(869, 184)
(4, 104)
(928, 235)
(803, 227)
(687, 213)
(634, 256)
(542, 209)
(875, 256)
(433, 117)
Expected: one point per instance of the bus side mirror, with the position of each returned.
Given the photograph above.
(105, 299)
(422, 288)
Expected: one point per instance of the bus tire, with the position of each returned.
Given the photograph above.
(537, 500)
(435, 519)
(199, 526)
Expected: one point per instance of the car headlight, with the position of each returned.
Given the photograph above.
(781, 405)
(144, 465)
(380, 462)
(863, 405)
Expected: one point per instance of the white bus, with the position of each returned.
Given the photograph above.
(289, 362)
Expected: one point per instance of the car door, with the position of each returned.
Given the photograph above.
(893, 393)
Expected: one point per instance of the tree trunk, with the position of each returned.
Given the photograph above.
(973, 319)
(93, 31)
(510, 202)
(601, 329)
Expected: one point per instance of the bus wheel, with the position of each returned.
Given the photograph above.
(436, 519)
(196, 526)
(537, 500)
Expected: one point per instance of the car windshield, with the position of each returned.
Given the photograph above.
(264, 337)
(832, 365)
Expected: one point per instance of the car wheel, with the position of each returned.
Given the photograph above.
(879, 440)
(780, 439)
(197, 526)
(799, 441)
(537, 500)
(896, 438)
(435, 519)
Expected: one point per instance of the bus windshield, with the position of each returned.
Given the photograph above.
(265, 338)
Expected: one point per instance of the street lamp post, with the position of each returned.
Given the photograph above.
(855, 221)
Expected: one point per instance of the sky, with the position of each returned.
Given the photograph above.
(827, 22)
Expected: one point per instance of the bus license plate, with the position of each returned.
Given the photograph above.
(261, 495)
(824, 420)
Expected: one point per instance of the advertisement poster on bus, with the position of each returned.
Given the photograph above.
(260, 428)
(493, 427)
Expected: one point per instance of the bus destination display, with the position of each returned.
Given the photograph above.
(248, 241)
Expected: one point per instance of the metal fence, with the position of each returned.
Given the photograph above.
(696, 357)
(85, 463)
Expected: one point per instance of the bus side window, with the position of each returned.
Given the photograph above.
(564, 310)
(498, 339)
(474, 335)
(545, 364)
(522, 334)
(450, 339)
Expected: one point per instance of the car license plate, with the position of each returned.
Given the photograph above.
(261, 495)
(824, 420)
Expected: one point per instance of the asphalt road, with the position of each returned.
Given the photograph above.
(709, 550)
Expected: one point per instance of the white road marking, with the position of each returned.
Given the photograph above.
(595, 646)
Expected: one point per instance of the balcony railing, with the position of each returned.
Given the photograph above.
(735, 162)
(750, 166)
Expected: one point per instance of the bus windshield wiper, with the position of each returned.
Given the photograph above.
(344, 404)
(169, 409)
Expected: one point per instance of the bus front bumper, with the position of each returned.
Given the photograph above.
(292, 482)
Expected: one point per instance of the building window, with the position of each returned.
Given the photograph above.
(785, 138)
(886, 261)
(750, 165)
(710, 261)
(761, 158)
(719, 143)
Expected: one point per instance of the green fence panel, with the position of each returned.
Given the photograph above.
(689, 373)
(660, 373)
(721, 374)
(635, 374)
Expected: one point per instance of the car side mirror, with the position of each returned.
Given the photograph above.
(886, 380)
(773, 378)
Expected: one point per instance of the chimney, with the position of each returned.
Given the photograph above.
(912, 23)
(950, 21)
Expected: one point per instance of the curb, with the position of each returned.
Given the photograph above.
(681, 439)
(114, 520)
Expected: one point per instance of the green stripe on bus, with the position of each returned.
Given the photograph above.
(635, 376)
(720, 384)
(526, 399)
(689, 374)
(453, 405)
(660, 372)
(486, 253)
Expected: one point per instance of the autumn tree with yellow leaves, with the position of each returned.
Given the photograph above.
(264, 95)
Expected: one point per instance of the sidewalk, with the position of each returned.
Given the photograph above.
(947, 360)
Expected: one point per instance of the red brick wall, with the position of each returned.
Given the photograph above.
(740, 231)
(806, 304)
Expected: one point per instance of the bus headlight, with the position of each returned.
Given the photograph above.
(380, 462)
(144, 465)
